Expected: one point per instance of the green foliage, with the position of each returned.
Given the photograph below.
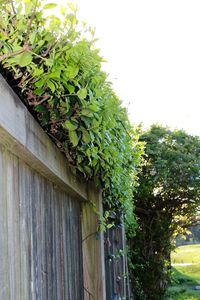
(166, 200)
(57, 73)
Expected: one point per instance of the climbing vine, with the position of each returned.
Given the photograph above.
(50, 60)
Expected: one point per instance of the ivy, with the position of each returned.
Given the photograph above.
(57, 73)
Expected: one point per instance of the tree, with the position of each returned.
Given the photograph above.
(166, 200)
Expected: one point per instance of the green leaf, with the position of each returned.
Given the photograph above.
(51, 85)
(70, 88)
(94, 107)
(109, 226)
(40, 83)
(38, 91)
(50, 6)
(73, 138)
(86, 136)
(41, 108)
(32, 37)
(48, 37)
(86, 112)
(28, 6)
(54, 75)
(37, 72)
(70, 126)
(25, 59)
(49, 62)
(41, 43)
(82, 93)
(71, 71)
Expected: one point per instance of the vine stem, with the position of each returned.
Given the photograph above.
(39, 102)
(56, 122)
(25, 48)
(39, 56)
(30, 22)
(69, 95)
(13, 8)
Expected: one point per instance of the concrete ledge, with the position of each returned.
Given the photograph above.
(23, 136)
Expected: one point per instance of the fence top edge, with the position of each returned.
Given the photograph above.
(23, 136)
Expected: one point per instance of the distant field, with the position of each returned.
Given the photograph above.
(186, 273)
(186, 254)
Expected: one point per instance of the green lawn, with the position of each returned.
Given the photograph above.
(185, 277)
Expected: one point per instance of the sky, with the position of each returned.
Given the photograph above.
(152, 50)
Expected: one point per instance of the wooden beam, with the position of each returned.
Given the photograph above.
(93, 249)
(23, 136)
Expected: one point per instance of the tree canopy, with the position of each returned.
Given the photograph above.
(166, 200)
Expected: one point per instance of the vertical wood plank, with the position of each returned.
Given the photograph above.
(25, 231)
(4, 270)
(13, 226)
(40, 237)
(93, 250)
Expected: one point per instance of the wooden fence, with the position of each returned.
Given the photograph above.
(47, 249)
(48, 246)
(116, 268)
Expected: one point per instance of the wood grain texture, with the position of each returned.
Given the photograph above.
(44, 211)
(93, 250)
(117, 281)
(40, 236)
(23, 136)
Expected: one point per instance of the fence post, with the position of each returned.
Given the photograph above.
(93, 248)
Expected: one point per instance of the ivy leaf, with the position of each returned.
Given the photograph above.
(86, 112)
(82, 93)
(71, 71)
(50, 5)
(70, 126)
(94, 107)
(54, 75)
(49, 62)
(28, 6)
(38, 91)
(51, 85)
(41, 108)
(40, 83)
(70, 88)
(32, 37)
(73, 138)
(41, 43)
(25, 59)
(37, 72)
(109, 226)
(86, 136)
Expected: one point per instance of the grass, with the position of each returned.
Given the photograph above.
(185, 277)
(186, 254)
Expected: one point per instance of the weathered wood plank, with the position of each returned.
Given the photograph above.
(93, 252)
(4, 275)
(20, 133)
(13, 225)
(25, 230)
(117, 282)
(40, 236)
(41, 249)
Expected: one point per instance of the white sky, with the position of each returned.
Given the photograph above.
(153, 53)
